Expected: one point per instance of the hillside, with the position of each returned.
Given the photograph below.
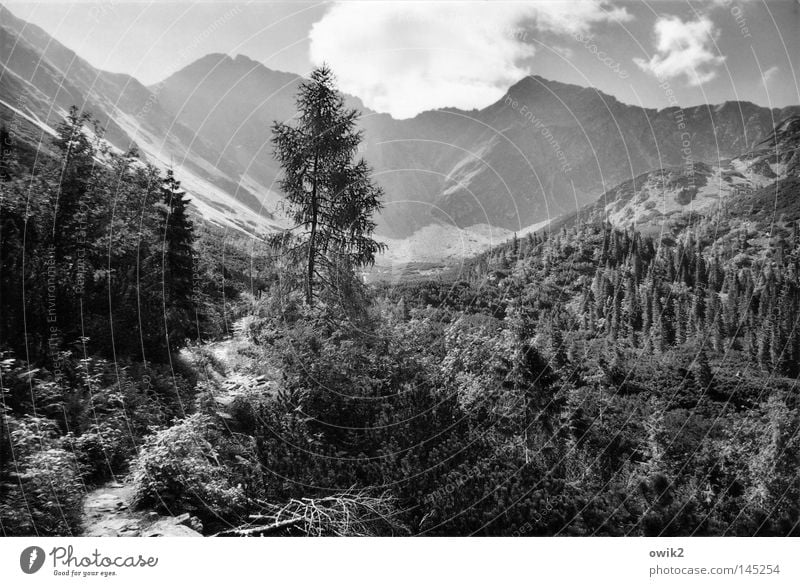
(543, 150)
(759, 185)
(40, 79)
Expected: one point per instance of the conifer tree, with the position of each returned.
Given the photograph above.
(76, 169)
(330, 193)
(177, 267)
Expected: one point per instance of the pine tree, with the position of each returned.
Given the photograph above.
(704, 375)
(177, 262)
(76, 171)
(666, 327)
(515, 248)
(530, 244)
(529, 376)
(330, 194)
(72, 198)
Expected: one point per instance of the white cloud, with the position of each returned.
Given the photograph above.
(406, 57)
(684, 48)
(769, 75)
(729, 3)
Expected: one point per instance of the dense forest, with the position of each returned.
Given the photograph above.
(580, 381)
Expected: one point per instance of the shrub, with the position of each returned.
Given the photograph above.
(102, 451)
(179, 470)
(42, 494)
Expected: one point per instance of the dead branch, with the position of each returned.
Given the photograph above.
(352, 513)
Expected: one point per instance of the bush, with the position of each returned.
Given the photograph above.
(101, 452)
(42, 494)
(179, 470)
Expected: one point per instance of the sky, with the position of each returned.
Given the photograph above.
(407, 57)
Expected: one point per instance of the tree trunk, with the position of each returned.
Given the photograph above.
(312, 238)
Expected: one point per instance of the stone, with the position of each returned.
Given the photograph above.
(196, 524)
(168, 528)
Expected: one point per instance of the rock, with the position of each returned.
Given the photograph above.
(169, 528)
(189, 521)
(261, 378)
(151, 516)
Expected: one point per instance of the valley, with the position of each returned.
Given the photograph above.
(238, 302)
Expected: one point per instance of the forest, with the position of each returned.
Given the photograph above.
(582, 380)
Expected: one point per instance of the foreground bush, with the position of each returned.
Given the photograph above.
(42, 492)
(179, 470)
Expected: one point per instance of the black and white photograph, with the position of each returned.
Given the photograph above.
(400, 269)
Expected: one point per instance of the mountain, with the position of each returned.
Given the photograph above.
(546, 148)
(761, 185)
(231, 103)
(458, 181)
(40, 79)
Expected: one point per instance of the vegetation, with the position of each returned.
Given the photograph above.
(97, 293)
(592, 384)
(589, 381)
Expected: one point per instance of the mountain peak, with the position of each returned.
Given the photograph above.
(225, 66)
(206, 63)
(540, 88)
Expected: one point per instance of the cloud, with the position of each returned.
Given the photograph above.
(406, 57)
(769, 75)
(729, 3)
(683, 48)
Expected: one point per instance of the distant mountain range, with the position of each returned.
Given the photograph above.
(544, 150)
(763, 183)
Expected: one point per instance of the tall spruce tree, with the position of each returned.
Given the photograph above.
(330, 193)
(177, 261)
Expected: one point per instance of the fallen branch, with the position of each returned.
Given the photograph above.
(346, 514)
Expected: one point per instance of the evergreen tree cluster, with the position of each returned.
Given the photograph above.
(724, 296)
(97, 253)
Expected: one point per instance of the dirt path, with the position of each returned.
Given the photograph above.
(234, 375)
(106, 510)
(107, 513)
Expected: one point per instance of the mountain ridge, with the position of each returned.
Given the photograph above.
(545, 149)
(664, 201)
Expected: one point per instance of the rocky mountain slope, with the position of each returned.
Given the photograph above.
(763, 183)
(461, 180)
(543, 150)
(40, 79)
